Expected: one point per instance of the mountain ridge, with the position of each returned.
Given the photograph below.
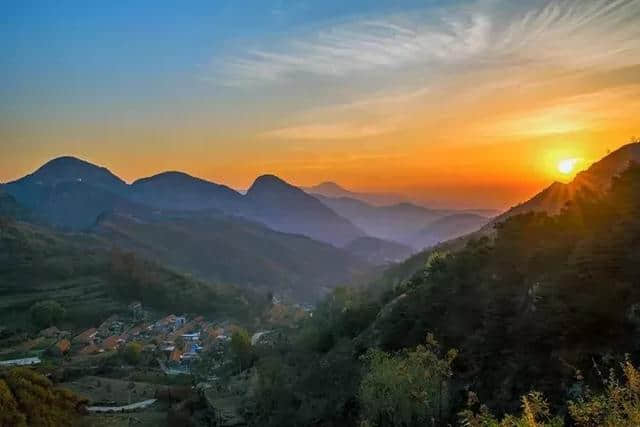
(71, 193)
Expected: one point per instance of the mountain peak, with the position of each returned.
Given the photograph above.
(329, 186)
(67, 162)
(72, 169)
(167, 177)
(269, 182)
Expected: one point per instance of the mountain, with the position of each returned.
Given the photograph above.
(92, 280)
(596, 179)
(404, 223)
(224, 249)
(548, 294)
(447, 228)
(331, 189)
(179, 191)
(71, 193)
(284, 207)
(263, 239)
(377, 251)
(548, 303)
(71, 169)
(10, 208)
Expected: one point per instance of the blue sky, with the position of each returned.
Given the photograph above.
(428, 93)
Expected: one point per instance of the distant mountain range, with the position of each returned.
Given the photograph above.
(334, 190)
(331, 189)
(293, 242)
(72, 193)
(406, 223)
(274, 238)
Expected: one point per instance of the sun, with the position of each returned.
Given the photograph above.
(566, 166)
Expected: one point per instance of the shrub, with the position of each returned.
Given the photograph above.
(46, 313)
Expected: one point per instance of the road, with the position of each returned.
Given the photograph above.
(132, 407)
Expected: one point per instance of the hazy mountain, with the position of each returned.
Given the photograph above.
(224, 249)
(287, 208)
(377, 251)
(72, 204)
(179, 191)
(9, 207)
(446, 228)
(405, 223)
(72, 193)
(331, 189)
(71, 169)
(595, 179)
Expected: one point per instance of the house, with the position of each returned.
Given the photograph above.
(63, 346)
(27, 361)
(111, 343)
(137, 330)
(180, 321)
(51, 332)
(175, 356)
(90, 349)
(166, 324)
(191, 337)
(86, 337)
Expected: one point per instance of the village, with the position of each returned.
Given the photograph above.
(135, 364)
(175, 339)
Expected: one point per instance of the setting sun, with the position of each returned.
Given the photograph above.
(567, 166)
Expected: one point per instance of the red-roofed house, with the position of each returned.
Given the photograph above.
(111, 343)
(63, 346)
(86, 337)
(90, 349)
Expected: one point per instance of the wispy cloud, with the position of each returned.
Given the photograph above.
(332, 131)
(575, 32)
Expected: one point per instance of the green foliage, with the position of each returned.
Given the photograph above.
(95, 281)
(28, 398)
(46, 313)
(406, 389)
(524, 306)
(618, 405)
(535, 413)
(10, 414)
(132, 353)
(543, 286)
(241, 348)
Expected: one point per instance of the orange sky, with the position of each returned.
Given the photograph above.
(474, 109)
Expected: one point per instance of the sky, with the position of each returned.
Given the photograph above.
(454, 103)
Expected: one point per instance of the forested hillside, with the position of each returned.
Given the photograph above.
(548, 304)
(92, 280)
(223, 249)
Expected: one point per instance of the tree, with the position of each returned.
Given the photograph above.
(618, 405)
(132, 353)
(46, 313)
(10, 414)
(408, 388)
(39, 403)
(241, 348)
